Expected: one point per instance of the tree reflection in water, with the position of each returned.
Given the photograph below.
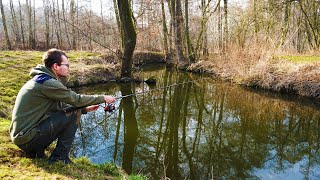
(204, 130)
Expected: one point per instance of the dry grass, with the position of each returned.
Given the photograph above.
(263, 67)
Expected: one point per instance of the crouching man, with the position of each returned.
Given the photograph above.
(46, 110)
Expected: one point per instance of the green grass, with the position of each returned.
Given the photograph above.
(14, 69)
(301, 58)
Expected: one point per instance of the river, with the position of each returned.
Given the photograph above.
(204, 129)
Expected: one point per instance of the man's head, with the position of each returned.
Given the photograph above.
(57, 61)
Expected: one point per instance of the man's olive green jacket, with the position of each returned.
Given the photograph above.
(41, 96)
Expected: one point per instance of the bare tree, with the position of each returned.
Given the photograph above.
(226, 31)
(5, 25)
(29, 12)
(65, 21)
(73, 29)
(46, 8)
(177, 24)
(21, 24)
(14, 25)
(129, 37)
(164, 29)
(190, 48)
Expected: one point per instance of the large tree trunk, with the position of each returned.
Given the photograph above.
(5, 25)
(178, 36)
(129, 37)
(177, 23)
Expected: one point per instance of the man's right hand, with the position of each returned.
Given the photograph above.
(109, 99)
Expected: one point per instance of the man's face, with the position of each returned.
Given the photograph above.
(63, 69)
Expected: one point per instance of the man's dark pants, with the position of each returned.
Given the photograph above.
(61, 126)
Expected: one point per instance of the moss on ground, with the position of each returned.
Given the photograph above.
(301, 58)
(14, 69)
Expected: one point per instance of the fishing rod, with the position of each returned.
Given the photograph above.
(156, 89)
(111, 107)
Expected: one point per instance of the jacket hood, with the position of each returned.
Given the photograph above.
(41, 69)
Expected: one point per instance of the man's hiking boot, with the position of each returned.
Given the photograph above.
(40, 155)
(65, 160)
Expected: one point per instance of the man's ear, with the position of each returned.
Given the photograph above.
(54, 67)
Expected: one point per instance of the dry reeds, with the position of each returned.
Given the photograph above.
(260, 66)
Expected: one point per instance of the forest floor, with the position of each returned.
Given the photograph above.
(14, 72)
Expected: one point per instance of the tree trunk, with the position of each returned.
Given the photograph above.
(58, 27)
(165, 30)
(285, 24)
(177, 17)
(256, 24)
(34, 35)
(204, 28)
(47, 23)
(15, 27)
(55, 23)
(312, 22)
(170, 61)
(28, 3)
(226, 31)
(129, 37)
(21, 24)
(191, 55)
(66, 30)
(102, 23)
(5, 26)
(72, 14)
(219, 27)
(120, 31)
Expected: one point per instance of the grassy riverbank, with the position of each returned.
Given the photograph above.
(297, 74)
(14, 70)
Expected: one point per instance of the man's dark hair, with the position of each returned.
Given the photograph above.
(52, 56)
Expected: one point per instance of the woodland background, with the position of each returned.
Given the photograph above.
(207, 26)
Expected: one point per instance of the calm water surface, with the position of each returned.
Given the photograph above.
(202, 130)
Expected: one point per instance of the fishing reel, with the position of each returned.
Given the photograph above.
(109, 108)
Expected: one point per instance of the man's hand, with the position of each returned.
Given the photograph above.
(109, 99)
(92, 108)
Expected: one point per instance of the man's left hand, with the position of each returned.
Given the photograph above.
(92, 108)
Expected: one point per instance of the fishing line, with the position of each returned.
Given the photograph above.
(156, 89)
(112, 109)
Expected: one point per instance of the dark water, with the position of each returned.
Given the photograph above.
(203, 130)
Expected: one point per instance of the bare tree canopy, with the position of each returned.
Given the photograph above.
(192, 29)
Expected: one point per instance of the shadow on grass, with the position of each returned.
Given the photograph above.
(82, 168)
(14, 160)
